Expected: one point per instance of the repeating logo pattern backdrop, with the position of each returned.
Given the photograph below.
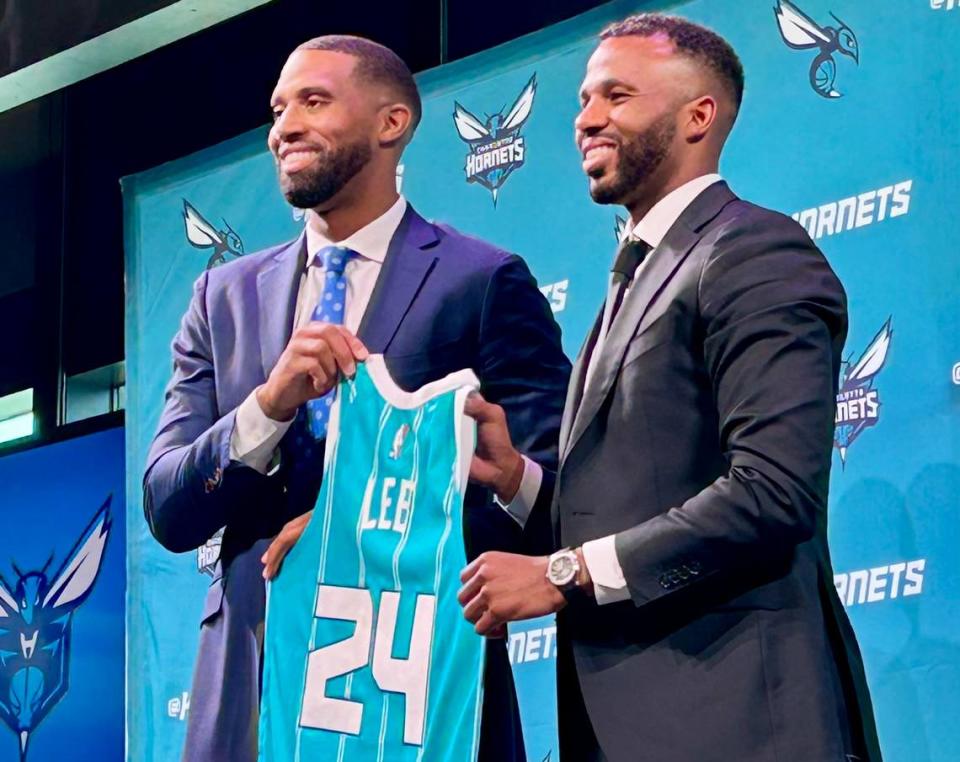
(846, 127)
(62, 581)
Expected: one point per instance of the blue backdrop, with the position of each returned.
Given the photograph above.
(865, 153)
(50, 497)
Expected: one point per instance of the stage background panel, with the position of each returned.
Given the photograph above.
(863, 150)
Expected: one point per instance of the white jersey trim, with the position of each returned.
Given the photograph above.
(466, 430)
(377, 368)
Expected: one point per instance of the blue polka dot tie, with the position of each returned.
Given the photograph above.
(329, 309)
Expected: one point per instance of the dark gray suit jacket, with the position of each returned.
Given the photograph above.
(704, 441)
(443, 301)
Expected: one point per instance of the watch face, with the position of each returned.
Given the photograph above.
(562, 569)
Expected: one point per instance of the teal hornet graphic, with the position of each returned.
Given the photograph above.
(801, 32)
(204, 235)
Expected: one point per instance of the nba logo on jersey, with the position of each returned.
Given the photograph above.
(398, 441)
(367, 655)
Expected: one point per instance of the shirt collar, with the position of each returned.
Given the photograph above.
(371, 241)
(653, 226)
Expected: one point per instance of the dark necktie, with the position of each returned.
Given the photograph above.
(631, 253)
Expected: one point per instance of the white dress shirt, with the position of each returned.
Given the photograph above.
(600, 555)
(255, 436)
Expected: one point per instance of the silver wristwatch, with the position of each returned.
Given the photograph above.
(563, 567)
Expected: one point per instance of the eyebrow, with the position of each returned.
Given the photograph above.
(303, 92)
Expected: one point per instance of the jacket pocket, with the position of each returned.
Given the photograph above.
(642, 344)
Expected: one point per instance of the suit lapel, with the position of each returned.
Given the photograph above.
(577, 379)
(405, 269)
(277, 287)
(666, 260)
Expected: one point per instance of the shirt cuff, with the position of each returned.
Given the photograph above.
(255, 436)
(609, 584)
(519, 508)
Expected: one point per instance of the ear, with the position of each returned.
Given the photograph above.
(395, 123)
(700, 115)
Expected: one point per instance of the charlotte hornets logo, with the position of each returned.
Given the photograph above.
(801, 32)
(858, 401)
(497, 149)
(204, 235)
(209, 553)
(36, 618)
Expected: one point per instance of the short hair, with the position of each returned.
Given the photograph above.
(691, 40)
(376, 64)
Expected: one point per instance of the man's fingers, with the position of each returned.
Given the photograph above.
(322, 382)
(474, 609)
(274, 556)
(342, 353)
(469, 591)
(316, 330)
(277, 550)
(335, 351)
(478, 408)
(319, 352)
(358, 348)
(323, 352)
(498, 633)
(487, 624)
(471, 568)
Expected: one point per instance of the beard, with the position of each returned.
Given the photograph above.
(636, 162)
(326, 177)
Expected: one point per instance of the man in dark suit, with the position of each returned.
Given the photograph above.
(697, 620)
(233, 448)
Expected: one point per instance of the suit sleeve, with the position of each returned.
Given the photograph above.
(190, 487)
(524, 370)
(773, 321)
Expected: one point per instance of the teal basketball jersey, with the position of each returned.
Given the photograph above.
(367, 655)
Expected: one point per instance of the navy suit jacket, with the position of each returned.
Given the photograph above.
(443, 301)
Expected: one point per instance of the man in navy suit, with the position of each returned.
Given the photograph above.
(232, 449)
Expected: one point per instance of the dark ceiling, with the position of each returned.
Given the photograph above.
(29, 32)
(61, 156)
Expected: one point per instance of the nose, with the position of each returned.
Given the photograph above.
(592, 117)
(287, 125)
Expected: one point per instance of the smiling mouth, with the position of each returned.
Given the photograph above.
(294, 161)
(595, 157)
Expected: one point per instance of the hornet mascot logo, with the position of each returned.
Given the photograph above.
(36, 615)
(209, 553)
(800, 32)
(858, 402)
(496, 147)
(203, 235)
